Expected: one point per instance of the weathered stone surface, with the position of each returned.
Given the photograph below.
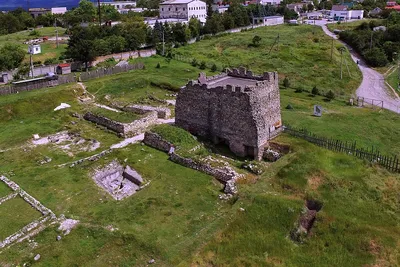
(162, 113)
(237, 107)
(135, 127)
(307, 220)
(271, 155)
(230, 187)
(132, 176)
(154, 140)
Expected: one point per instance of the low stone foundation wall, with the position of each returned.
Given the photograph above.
(155, 141)
(132, 128)
(217, 173)
(162, 113)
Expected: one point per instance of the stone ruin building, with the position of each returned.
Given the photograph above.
(235, 107)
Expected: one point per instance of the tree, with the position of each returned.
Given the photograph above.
(390, 49)
(194, 27)
(81, 45)
(109, 12)
(134, 33)
(202, 65)
(286, 82)
(310, 7)
(376, 57)
(227, 21)
(315, 91)
(330, 95)
(256, 41)
(11, 57)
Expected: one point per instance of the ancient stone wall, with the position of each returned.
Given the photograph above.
(154, 140)
(162, 113)
(133, 128)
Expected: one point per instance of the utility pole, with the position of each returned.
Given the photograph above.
(98, 5)
(370, 44)
(30, 60)
(341, 62)
(163, 42)
(55, 25)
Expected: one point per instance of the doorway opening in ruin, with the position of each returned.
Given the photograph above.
(249, 150)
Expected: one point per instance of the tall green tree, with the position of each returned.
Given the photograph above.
(11, 57)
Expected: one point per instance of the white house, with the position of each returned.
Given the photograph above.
(120, 4)
(268, 20)
(34, 49)
(184, 9)
(340, 12)
(58, 10)
(269, 2)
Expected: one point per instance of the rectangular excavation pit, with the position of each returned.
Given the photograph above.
(118, 181)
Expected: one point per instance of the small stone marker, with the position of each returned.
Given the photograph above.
(58, 238)
(317, 111)
(351, 101)
(36, 136)
(202, 78)
(37, 257)
(152, 261)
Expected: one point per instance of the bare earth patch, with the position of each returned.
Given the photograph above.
(315, 181)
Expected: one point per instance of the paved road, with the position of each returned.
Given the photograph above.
(373, 83)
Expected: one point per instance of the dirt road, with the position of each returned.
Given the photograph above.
(373, 83)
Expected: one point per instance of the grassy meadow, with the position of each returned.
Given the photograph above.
(178, 219)
(49, 48)
(303, 56)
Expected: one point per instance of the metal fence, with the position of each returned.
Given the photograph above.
(350, 148)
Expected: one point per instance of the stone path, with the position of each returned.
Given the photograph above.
(373, 83)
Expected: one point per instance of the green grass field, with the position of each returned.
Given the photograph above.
(304, 56)
(393, 79)
(49, 48)
(124, 117)
(15, 214)
(4, 190)
(178, 219)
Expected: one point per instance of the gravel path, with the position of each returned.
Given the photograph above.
(373, 83)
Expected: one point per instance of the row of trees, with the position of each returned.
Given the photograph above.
(377, 47)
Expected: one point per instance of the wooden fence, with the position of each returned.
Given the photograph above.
(109, 71)
(350, 148)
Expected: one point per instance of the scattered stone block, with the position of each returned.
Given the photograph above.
(36, 137)
(132, 176)
(230, 187)
(37, 257)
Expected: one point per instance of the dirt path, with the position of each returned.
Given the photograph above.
(373, 83)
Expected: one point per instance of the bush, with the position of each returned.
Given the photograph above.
(286, 82)
(330, 95)
(166, 86)
(376, 57)
(194, 63)
(299, 90)
(34, 33)
(214, 68)
(50, 61)
(289, 106)
(202, 65)
(315, 91)
(158, 65)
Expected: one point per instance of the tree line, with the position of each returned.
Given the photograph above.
(378, 47)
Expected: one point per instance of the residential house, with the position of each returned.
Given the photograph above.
(268, 20)
(296, 7)
(34, 49)
(58, 10)
(341, 12)
(184, 9)
(36, 12)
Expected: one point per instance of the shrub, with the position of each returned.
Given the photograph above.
(289, 106)
(330, 95)
(214, 68)
(34, 33)
(166, 86)
(202, 65)
(158, 65)
(50, 61)
(315, 91)
(299, 90)
(286, 82)
(194, 63)
(376, 57)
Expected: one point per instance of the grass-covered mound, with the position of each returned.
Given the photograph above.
(124, 117)
(303, 55)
